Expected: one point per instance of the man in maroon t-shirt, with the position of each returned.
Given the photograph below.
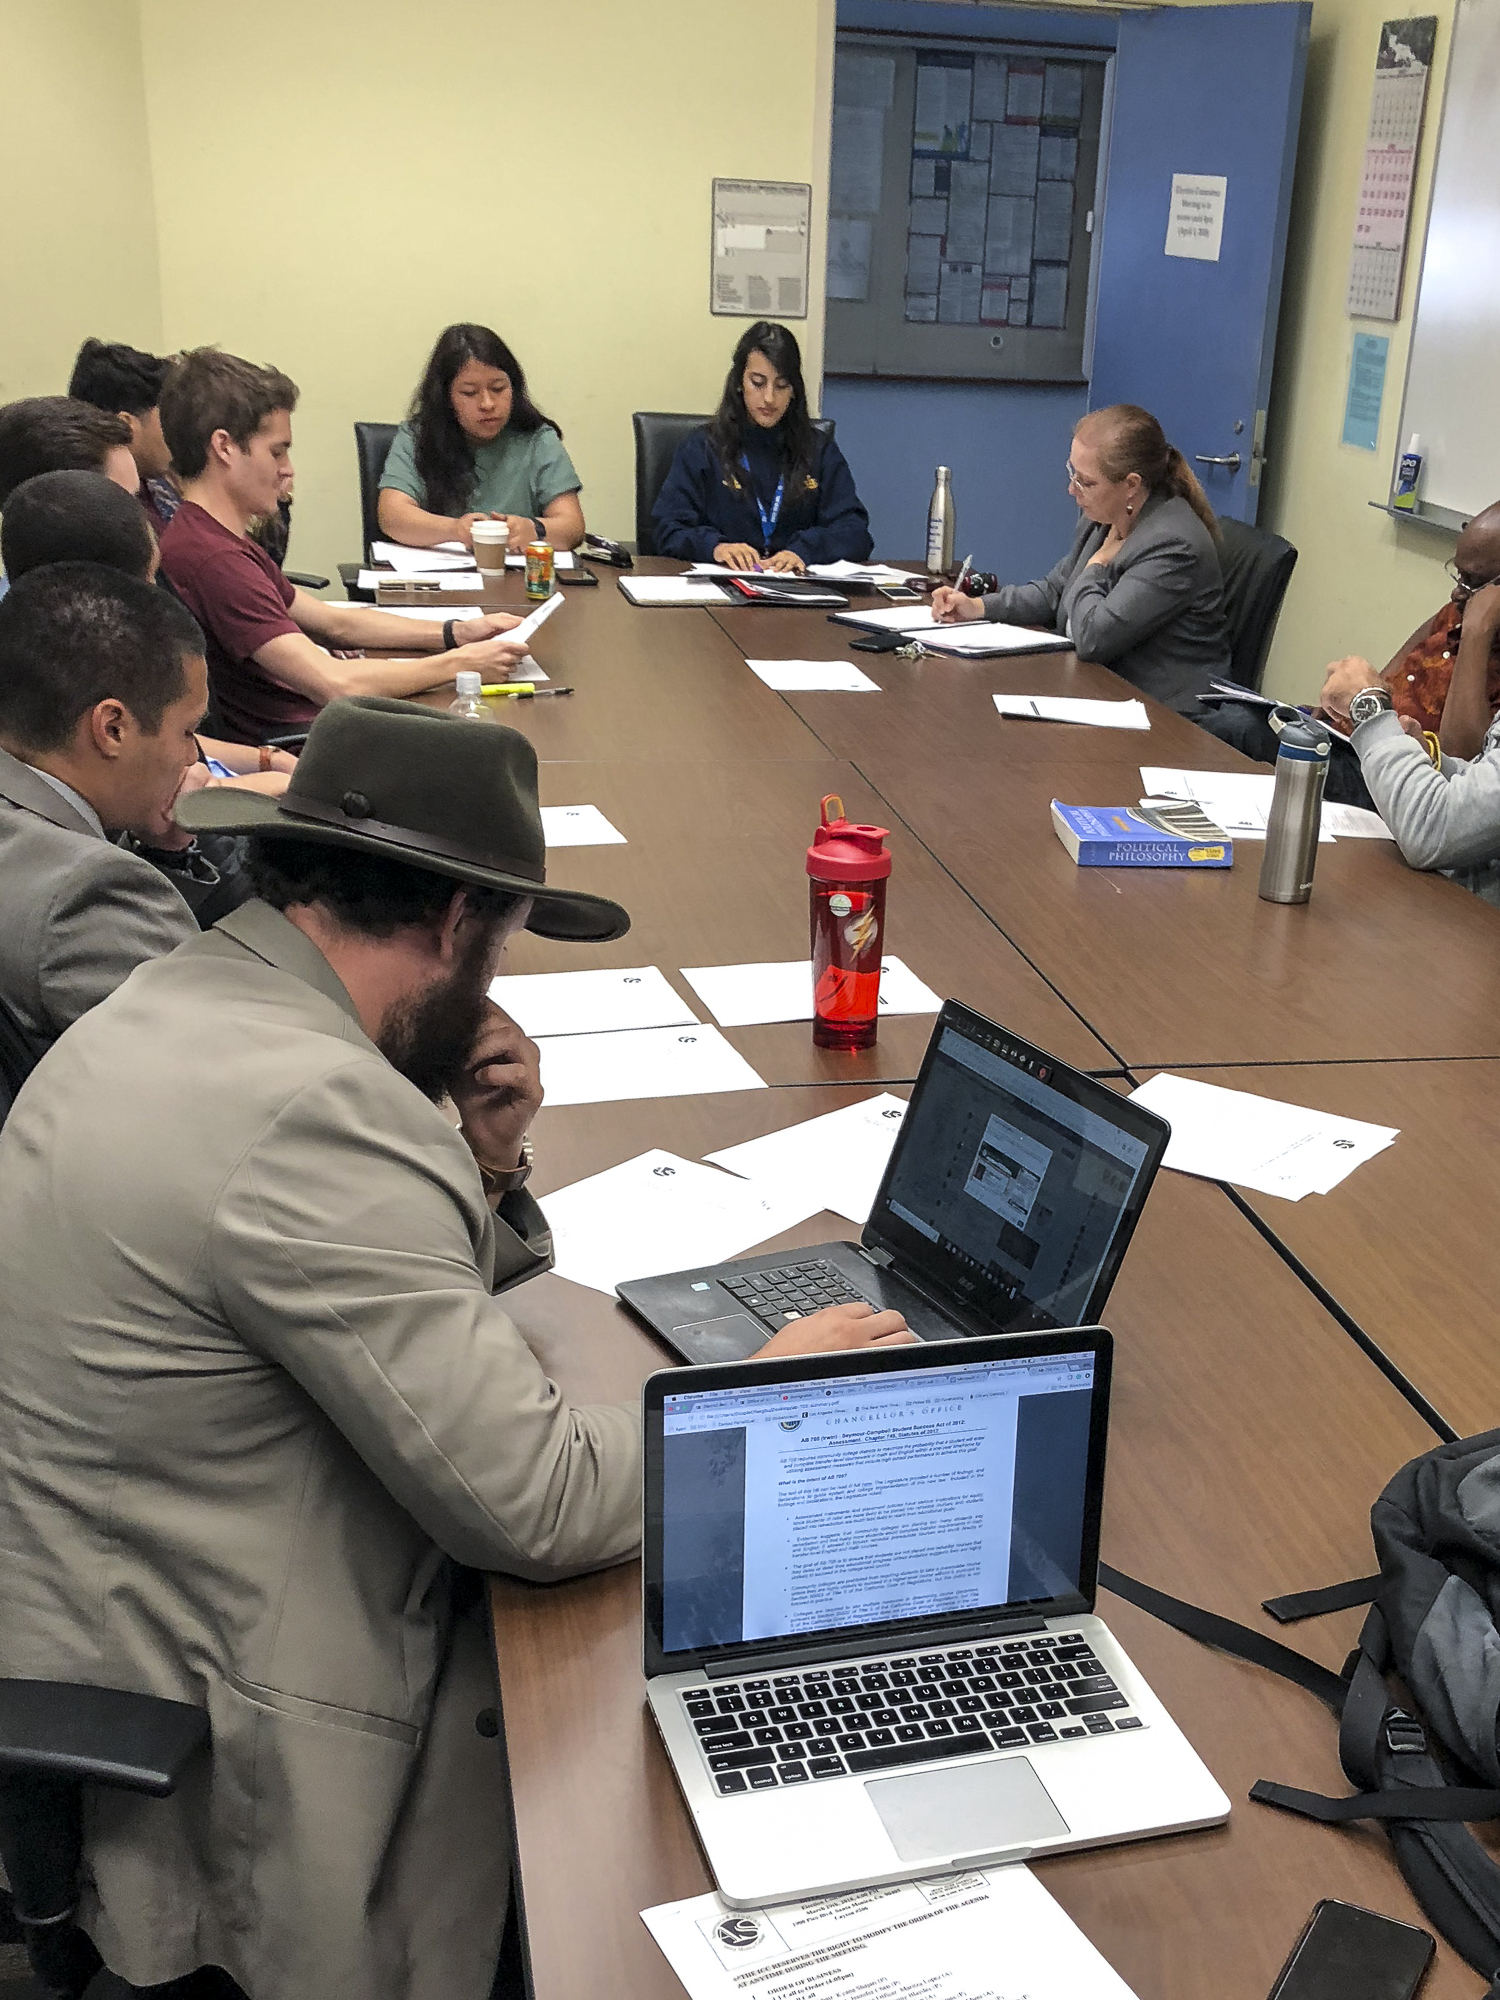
(229, 426)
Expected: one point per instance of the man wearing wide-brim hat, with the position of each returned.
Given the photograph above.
(261, 1412)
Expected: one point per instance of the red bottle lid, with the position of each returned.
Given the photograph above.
(844, 853)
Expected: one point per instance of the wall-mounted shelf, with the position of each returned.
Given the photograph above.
(1422, 516)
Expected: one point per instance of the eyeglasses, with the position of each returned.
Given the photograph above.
(1075, 478)
(1467, 582)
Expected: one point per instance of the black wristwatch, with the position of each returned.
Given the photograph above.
(498, 1183)
(1369, 703)
(449, 642)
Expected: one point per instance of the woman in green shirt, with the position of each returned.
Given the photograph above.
(476, 448)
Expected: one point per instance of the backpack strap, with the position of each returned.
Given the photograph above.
(1318, 1603)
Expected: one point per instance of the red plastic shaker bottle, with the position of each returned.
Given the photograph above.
(849, 867)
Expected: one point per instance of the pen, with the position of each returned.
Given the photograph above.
(519, 690)
(963, 575)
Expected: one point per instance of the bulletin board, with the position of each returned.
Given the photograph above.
(961, 205)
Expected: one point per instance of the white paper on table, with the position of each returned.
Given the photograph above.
(1070, 708)
(996, 1934)
(710, 569)
(853, 572)
(1258, 1142)
(1238, 801)
(531, 624)
(836, 1160)
(642, 1062)
(467, 579)
(592, 1002)
(561, 559)
(432, 613)
(660, 590)
(578, 826)
(984, 636)
(658, 1213)
(421, 562)
(1354, 823)
(745, 996)
(813, 677)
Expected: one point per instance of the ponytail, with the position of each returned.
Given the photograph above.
(1129, 439)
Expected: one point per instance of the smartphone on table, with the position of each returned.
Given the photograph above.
(1347, 1953)
(901, 593)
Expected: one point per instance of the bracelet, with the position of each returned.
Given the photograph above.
(266, 754)
(449, 642)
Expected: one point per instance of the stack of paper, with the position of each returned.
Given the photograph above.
(743, 996)
(995, 1935)
(588, 1003)
(454, 579)
(1068, 708)
(577, 826)
(659, 1213)
(813, 676)
(853, 572)
(421, 562)
(1240, 802)
(836, 1161)
(1258, 1142)
(661, 590)
(608, 1068)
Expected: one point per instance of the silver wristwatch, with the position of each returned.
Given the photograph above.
(498, 1183)
(1369, 703)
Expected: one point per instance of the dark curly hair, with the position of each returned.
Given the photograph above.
(444, 450)
(796, 440)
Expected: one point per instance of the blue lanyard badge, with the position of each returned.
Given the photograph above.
(768, 519)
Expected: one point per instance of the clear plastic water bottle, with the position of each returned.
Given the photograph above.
(940, 525)
(469, 701)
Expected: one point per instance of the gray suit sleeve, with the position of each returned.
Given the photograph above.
(1036, 603)
(108, 915)
(1441, 819)
(351, 1247)
(1114, 608)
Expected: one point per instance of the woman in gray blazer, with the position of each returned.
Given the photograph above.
(1140, 590)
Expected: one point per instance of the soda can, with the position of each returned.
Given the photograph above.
(538, 569)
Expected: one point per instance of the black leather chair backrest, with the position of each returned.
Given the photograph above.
(17, 1059)
(657, 436)
(1257, 567)
(372, 442)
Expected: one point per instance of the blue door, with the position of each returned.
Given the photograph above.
(1206, 94)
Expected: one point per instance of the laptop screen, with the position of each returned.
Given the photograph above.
(872, 1496)
(1017, 1180)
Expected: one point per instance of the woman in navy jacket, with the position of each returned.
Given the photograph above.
(758, 487)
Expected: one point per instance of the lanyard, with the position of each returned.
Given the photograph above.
(769, 519)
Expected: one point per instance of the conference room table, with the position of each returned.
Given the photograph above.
(1250, 1431)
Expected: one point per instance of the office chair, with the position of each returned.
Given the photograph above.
(55, 1738)
(17, 1059)
(657, 436)
(372, 446)
(1257, 568)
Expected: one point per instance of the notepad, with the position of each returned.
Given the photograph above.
(642, 1062)
(591, 1002)
(836, 1161)
(1068, 708)
(743, 996)
(812, 677)
(659, 1212)
(577, 826)
(665, 590)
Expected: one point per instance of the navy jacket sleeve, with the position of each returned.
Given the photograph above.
(841, 532)
(681, 520)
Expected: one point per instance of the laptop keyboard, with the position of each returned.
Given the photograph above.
(792, 1291)
(880, 1715)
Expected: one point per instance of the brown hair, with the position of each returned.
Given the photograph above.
(1129, 439)
(207, 391)
(55, 434)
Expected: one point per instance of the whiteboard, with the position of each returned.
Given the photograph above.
(1453, 370)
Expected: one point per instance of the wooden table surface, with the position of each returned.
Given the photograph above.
(1227, 1483)
(1407, 1244)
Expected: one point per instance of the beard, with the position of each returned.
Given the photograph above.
(428, 1038)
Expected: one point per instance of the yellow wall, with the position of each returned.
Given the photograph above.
(1363, 582)
(336, 182)
(77, 231)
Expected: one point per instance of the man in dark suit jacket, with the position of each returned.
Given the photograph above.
(102, 682)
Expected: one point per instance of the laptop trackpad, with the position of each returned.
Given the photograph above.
(734, 1337)
(968, 1809)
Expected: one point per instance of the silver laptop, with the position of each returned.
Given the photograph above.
(870, 1646)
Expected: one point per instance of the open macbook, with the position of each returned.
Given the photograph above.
(1012, 1191)
(868, 1594)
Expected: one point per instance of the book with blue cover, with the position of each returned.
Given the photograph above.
(1158, 833)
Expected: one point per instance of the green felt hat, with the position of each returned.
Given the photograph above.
(437, 791)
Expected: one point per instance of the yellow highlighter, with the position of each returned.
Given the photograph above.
(509, 687)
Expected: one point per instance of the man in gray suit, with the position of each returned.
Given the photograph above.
(262, 1414)
(102, 682)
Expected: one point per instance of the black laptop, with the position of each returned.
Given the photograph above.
(1013, 1189)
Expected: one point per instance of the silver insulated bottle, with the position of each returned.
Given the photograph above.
(1286, 874)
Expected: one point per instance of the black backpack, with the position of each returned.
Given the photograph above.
(1423, 1764)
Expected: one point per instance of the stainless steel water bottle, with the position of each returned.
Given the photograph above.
(1286, 874)
(940, 524)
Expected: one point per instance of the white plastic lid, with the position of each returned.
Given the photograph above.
(468, 683)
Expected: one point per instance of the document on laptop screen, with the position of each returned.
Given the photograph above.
(854, 1500)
